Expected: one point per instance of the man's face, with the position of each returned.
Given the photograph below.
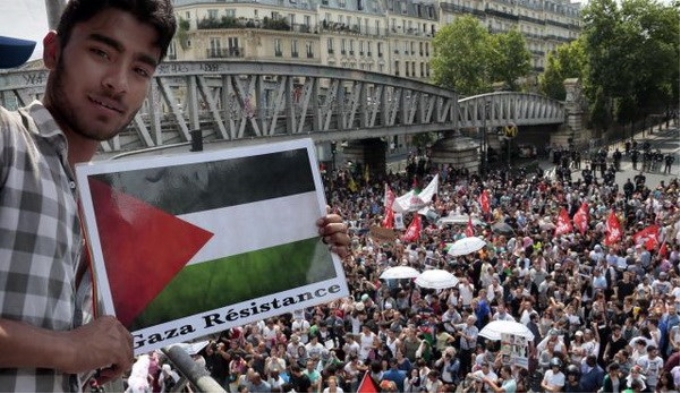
(100, 78)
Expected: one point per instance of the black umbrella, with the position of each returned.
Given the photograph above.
(502, 228)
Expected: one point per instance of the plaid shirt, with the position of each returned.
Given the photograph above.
(40, 236)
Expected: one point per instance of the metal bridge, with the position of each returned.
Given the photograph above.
(236, 103)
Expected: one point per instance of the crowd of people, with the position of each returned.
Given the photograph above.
(604, 315)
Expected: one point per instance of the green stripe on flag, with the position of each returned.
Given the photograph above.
(211, 285)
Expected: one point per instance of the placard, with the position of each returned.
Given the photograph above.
(188, 245)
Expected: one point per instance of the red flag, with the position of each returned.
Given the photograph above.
(413, 231)
(367, 384)
(663, 251)
(581, 218)
(612, 229)
(648, 236)
(389, 197)
(388, 221)
(470, 230)
(563, 223)
(484, 202)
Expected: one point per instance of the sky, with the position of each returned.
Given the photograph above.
(25, 19)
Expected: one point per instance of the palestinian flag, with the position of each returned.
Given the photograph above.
(182, 239)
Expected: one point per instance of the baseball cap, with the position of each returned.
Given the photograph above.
(14, 52)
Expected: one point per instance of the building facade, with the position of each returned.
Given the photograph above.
(385, 36)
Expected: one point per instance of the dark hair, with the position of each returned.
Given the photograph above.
(157, 13)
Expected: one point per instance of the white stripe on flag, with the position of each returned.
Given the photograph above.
(254, 226)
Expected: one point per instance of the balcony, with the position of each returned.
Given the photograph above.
(278, 53)
(343, 52)
(331, 51)
(224, 53)
(351, 53)
(294, 54)
(310, 55)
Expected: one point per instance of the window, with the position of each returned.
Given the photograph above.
(361, 48)
(377, 27)
(343, 46)
(294, 49)
(215, 50)
(234, 49)
(308, 21)
(277, 48)
(369, 48)
(232, 13)
(291, 19)
(329, 44)
(310, 50)
(380, 49)
(351, 47)
(212, 14)
(396, 67)
(187, 15)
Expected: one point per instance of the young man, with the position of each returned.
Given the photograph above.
(101, 60)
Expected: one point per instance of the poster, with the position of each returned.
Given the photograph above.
(188, 245)
(515, 350)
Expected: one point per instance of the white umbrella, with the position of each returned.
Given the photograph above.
(436, 279)
(493, 330)
(399, 272)
(466, 246)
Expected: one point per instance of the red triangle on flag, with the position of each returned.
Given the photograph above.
(143, 247)
(367, 384)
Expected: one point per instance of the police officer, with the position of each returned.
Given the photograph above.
(617, 159)
(647, 158)
(634, 155)
(668, 160)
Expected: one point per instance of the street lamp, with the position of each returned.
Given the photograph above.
(485, 140)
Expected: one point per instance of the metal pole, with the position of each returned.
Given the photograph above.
(54, 9)
(197, 375)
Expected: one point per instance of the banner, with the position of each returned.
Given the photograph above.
(470, 229)
(563, 223)
(412, 201)
(484, 202)
(612, 230)
(648, 237)
(194, 244)
(413, 232)
(581, 218)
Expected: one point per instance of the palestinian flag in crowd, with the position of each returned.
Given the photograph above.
(182, 239)
(367, 384)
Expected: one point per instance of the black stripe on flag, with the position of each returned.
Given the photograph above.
(189, 188)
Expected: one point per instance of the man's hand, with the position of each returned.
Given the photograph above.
(334, 233)
(103, 344)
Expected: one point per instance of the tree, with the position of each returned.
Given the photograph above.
(632, 52)
(567, 61)
(462, 53)
(510, 58)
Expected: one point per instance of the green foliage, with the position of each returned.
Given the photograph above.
(567, 61)
(462, 51)
(632, 54)
(468, 59)
(510, 58)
